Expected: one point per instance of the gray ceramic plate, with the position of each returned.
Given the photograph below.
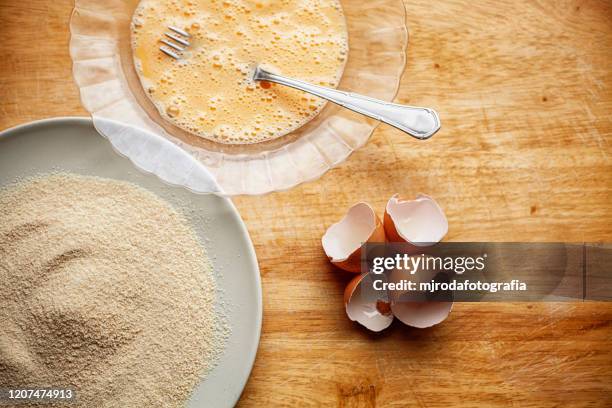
(73, 145)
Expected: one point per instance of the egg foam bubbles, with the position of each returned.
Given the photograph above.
(209, 92)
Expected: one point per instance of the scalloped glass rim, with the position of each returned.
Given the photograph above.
(109, 89)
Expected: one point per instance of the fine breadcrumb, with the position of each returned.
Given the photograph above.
(106, 289)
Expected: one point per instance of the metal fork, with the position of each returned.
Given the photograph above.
(421, 123)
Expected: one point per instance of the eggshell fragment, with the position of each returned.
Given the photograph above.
(342, 241)
(371, 310)
(421, 314)
(413, 307)
(420, 222)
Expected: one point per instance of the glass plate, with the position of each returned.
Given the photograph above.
(104, 71)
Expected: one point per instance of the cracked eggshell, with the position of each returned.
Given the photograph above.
(413, 308)
(420, 222)
(370, 308)
(421, 314)
(342, 241)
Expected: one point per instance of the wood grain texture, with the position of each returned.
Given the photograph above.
(523, 90)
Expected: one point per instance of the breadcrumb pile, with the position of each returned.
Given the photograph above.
(106, 289)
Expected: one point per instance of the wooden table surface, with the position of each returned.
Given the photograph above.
(523, 90)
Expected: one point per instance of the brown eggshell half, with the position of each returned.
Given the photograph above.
(412, 308)
(371, 310)
(342, 241)
(420, 222)
(421, 314)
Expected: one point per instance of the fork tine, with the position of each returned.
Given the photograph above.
(169, 52)
(179, 31)
(177, 39)
(172, 45)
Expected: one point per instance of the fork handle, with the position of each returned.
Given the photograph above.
(420, 123)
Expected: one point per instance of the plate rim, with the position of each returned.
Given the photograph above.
(250, 253)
